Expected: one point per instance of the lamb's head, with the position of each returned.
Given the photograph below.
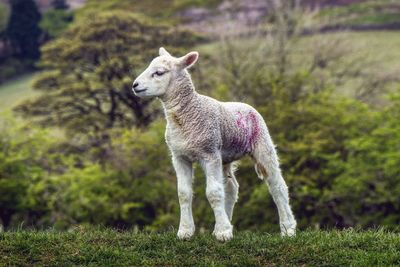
(157, 79)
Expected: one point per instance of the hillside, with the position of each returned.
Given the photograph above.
(111, 248)
(216, 17)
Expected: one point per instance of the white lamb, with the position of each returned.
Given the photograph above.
(215, 134)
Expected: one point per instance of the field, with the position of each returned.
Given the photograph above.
(368, 45)
(105, 247)
(371, 12)
(380, 47)
(15, 91)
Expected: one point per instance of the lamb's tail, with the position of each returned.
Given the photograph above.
(266, 161)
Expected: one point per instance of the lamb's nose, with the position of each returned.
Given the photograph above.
(135, 85)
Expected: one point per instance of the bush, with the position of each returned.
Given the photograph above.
(54, 22)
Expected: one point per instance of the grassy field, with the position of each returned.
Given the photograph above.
(374, 54)
(15, 91)
(104, 247)
(381, 47)
(370, 12)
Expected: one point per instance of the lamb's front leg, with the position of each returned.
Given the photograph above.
(216, 196)
(184, 173)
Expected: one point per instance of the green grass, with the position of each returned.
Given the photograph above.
(166, 10)
(375, 53)
(111, 248)
(15, 91)
(375, 19)
(380, 47)
(371, 12)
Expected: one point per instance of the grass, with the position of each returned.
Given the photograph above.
(15, 91)
(105, 247)
(166, 10)
(378, 46)
(375, 19)
(377, 50)
(371, 12)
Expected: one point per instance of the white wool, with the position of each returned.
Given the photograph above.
(215, 134)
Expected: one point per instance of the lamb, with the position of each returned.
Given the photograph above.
(214, 134)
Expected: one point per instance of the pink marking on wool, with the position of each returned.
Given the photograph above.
(250, 128)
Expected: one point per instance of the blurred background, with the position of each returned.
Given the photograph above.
(78, 148)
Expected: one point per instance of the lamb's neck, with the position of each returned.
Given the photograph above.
(180, 97)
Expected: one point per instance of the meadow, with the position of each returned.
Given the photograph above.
(106, 247)
(15, 91)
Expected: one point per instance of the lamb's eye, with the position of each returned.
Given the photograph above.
(158, 73)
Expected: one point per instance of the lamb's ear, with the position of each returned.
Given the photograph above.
(188, 60)
(163, 52)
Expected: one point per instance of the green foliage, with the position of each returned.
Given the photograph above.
(104, 247)
(127, 191)
(312, 134)
(54, 22)
(19, 166)
(23, 30)
(372, 173)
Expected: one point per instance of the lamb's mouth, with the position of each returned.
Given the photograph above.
(139, 90)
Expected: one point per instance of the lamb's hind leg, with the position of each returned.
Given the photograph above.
(267, 166)
(231, 189)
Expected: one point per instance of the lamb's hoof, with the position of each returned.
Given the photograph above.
(223, 235)
(185, 234)
(288, 232)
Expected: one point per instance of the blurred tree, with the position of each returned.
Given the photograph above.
(28, 157)
(18, 168)
(90, 69)
(127, 191)
(13, 185)
(55, 21)
(23, 30)
(4, 16)
(371, 182)
(60, 4)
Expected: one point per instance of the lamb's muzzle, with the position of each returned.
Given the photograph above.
(215, 134)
